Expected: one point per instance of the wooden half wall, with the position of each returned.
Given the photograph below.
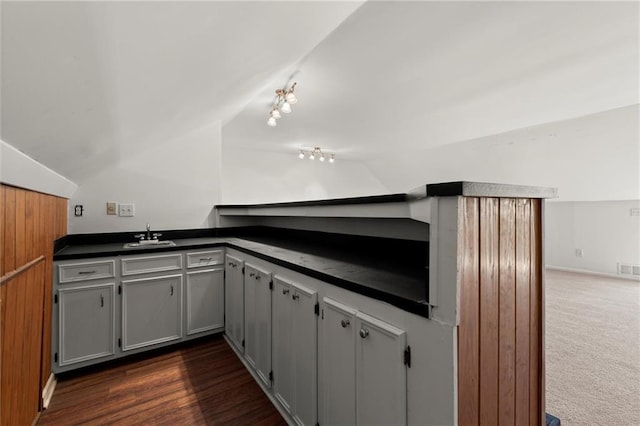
(500, 311)
(29, 224)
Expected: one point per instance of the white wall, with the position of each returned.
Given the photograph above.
(605, 231)
(18, 169)
(595, 157)
(593, 160)
(173, 186)
(250, 176)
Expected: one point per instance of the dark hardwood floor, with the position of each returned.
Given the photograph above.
(200, 383)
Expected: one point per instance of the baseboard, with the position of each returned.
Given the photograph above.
(47, 392)
(587, 272)
(265, 389)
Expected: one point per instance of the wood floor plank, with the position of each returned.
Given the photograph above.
(200, 383)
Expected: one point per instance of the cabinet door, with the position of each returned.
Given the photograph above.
(282, 350)
(205, 300)
(151, 311)
(338, 355)
(304, 331)
(381, 376)
(86, 323)
(234, 301)
(258, 321)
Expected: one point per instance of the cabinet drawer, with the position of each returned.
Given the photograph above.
(69, 273)
(147, 264)
(205, 258)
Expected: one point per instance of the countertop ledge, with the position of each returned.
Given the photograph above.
(444, 189)
(402, 286)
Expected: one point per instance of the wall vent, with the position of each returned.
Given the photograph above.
(628, 269)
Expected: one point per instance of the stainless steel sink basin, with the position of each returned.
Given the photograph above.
(149, 244)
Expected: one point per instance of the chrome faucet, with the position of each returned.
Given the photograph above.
(149, 235)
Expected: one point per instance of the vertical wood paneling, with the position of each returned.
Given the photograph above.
(29, 223)
(2, 224)
(536, 352)
(2, 293)
(507, 308)
(61, 215)
(469, 333)
(30, 219)
(20, 350)
(21, 220)
(501, 312)
(489, 314)
(523, 275)
(48, 218)
(9, 242)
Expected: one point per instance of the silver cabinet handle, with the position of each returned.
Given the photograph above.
(295, 296)
(258, 277)
(171, 291)
(86, 272)
(364, 333)
(252, 274)
(285, 291)
(345, 323)
(208, 259)
(101, 301)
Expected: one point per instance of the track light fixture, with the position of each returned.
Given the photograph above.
(284, 99)
(316, 152)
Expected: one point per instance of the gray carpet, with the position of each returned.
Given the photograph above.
(592, 349)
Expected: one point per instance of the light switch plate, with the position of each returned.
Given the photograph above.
(111, 208)
(127, 210)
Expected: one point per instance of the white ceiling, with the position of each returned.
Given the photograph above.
(407, 75)
(83, 83)
(83, 80)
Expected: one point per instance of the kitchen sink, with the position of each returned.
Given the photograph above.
(150, 244)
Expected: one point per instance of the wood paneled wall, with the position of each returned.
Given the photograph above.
(501, 316)
(29, 224)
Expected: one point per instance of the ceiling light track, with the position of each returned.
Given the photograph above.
(284, 99)
(318, 153)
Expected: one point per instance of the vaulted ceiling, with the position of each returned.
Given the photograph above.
(83, 83)
(82, 80)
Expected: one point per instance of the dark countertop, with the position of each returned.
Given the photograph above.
(378, 276)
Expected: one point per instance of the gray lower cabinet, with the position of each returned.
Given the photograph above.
(257, 321)
(86, 327)
(339, 366)
(205, 300)
(381, 374)
(107, 308)
(234, 301)
(151, 311)
(294, 348)
(365, 376)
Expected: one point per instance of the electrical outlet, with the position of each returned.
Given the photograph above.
(111, 208)
(127, 210)
(579, 253)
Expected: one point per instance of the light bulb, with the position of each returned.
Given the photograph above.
(312, 156)
(301, 155)
(286, 108)
(321, 157)
(271, 122)
(331, 160)
(291, 98)
(275, 113)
